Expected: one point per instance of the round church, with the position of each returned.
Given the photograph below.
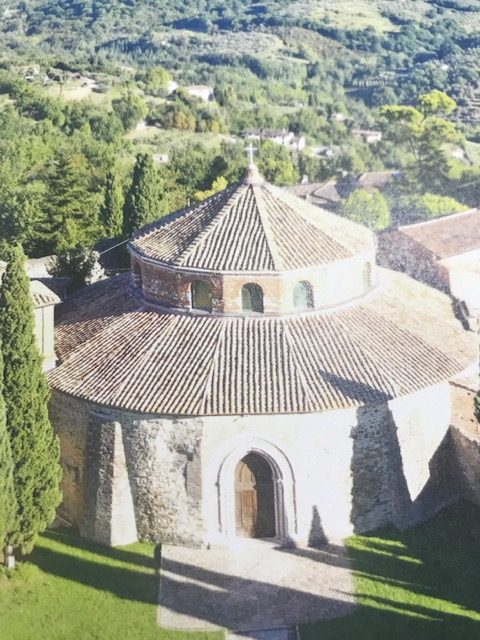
(256, 374)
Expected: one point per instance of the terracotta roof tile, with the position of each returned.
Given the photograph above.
(447, 236)
(126, 355)
(251, 227)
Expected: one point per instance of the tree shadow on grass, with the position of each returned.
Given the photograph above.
(115, 553)
(98, 567)
(420, 583)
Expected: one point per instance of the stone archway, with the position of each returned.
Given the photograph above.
(279, 470)
(254, 498)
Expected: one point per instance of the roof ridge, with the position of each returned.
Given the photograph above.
(278, 263)
(231, 201)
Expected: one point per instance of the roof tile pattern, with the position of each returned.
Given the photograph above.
(447, 236)
(251, 227)
(145, 360)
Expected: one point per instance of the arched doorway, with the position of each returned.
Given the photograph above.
(254, 498)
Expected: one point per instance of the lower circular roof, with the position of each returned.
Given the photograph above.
(118, 352)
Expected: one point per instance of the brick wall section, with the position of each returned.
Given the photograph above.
(332, 284)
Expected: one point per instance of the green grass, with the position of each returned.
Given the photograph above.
(419, 584)
(72, 590)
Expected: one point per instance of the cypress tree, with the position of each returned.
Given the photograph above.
(71, 210)
(111, 212)
(8, 503)
(35, 448)
(141, 203)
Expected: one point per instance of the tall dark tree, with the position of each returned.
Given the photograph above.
(71, 210)
(111, 212)
(142, 201)
(8, 503)
(35, 448)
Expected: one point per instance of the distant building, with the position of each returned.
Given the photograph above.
(324, 152)
(280, 136)
(443, 252)
(330, 194)
(172, 86)
(160, 158)
(201, 91)
(368, 136)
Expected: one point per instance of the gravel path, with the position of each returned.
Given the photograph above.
(254, 586)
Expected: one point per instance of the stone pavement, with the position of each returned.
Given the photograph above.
(255, 587)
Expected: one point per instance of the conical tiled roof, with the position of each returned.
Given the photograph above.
(251, 226)
(117, 351)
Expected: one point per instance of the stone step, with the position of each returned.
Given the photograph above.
(284, 633)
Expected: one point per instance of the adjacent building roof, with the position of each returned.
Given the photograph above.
(447, 236)
(118, 352)
(42, 295)
(331, 193)
(251, 226)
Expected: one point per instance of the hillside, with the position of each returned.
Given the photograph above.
(87, 85)
(405, 46)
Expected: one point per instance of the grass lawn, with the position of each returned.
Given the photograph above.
(73, 590)
(420, 584)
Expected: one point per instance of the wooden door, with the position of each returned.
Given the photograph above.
(254, 498)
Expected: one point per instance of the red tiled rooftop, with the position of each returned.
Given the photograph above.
(251, 227)
(117, 351)
(447, 236)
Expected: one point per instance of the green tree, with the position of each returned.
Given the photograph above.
(142, 201)
(77, 264)
(130, 109)
(436, 103)
(70, 214)
(111, 213)
(275, 164)
(35, 448)
(157, 80)
(407, 209)
(425, 135)
(366, 208)
(220, 184)
(8, 503)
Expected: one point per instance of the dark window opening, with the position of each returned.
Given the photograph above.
(303, 295)
(201, 296)
(252, 298)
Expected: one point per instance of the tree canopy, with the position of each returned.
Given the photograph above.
(34, 447)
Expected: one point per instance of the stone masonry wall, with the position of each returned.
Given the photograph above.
(341, 471)
(162, 480)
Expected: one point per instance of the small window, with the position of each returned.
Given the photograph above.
(252, 298)
(303, 295)
(367, 276)
(201, 296)
(137, 276)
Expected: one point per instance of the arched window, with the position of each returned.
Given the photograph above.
(137, 276)
(303, 295)
(252, 298)
(201, 295)
(367, 276)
